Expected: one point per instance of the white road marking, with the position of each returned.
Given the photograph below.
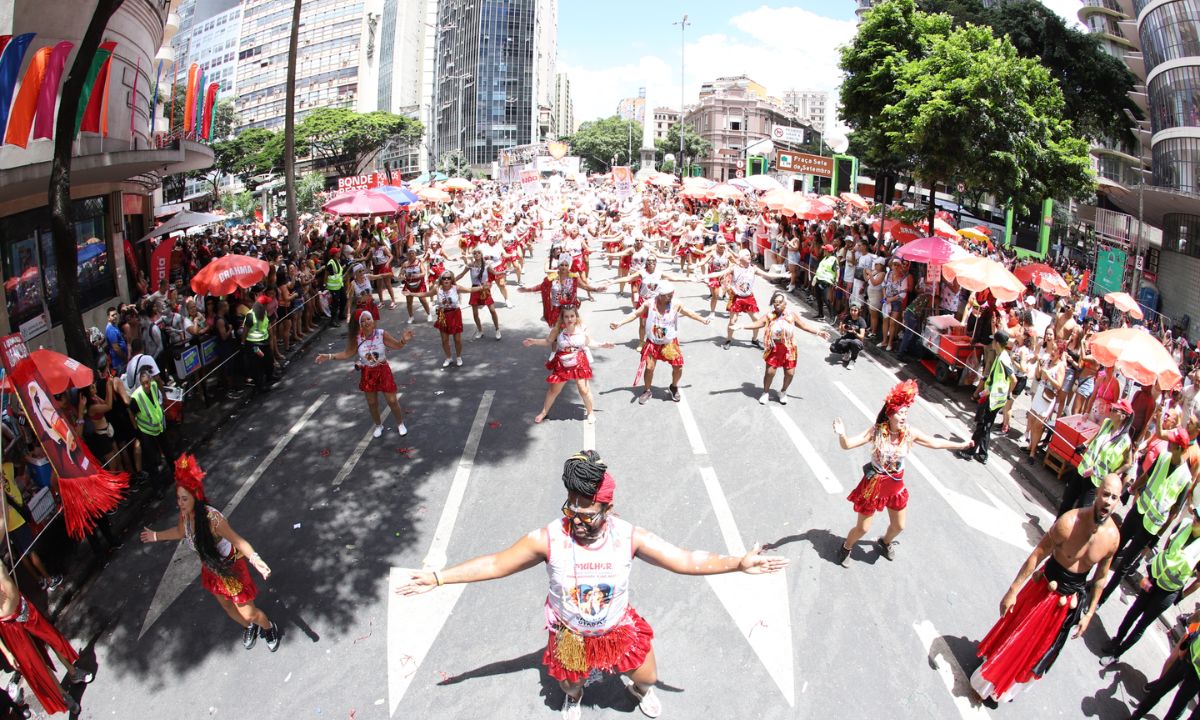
(992, 518)
(757, 604)
(185, 565)
(415, 621)
(589, 435)
(957, 683)
(359, 449)
(809, 453)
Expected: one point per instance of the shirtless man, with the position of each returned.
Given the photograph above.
(1025, 642)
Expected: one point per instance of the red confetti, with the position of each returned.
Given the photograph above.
(759, 624)
(445, 675)
(404, 450)
(494, 424)
(324, 452)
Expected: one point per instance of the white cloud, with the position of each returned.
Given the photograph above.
(1068, 10)
(780, 48)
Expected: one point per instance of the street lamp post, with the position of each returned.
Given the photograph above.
(683, 24)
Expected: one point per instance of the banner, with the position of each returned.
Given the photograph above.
(90, 98)
(11, 58)
(189, 97)
(160, 263)
(208, 112)
(20, 118)
(531, 182)
(88, 490)
(623, 181)
(43, 124)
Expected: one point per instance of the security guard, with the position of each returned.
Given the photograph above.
(1109, 451)
(256, 341)
(824, 278)
(994, 389)
(335, 280)
(146, 411)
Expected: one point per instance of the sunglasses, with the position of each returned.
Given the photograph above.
(572, 513)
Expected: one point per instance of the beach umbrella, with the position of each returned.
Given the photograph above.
(856, 200)
(931, 250)
(764, 183)
(362, 202)
(61, 372)
(979, 273)
(1044, 277)
(1138, 355)
(182, 221)
(1125, 303)
(227, 273)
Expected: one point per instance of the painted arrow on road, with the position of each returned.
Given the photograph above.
(992, 517)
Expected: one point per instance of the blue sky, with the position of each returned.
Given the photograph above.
(610, 48)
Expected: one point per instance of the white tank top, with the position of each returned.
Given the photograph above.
(718, 261)
(637, 261)
(743, 281)
(360, 288)
(371, 350)
(650, 282)
(568, 348)
(447, 299)
(380, 255)
(589, 584)
(482, 275)
(412, 274)
(662, 328)
(782, 330)
(562, 291)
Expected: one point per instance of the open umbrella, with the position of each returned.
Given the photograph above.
(775, 199)
(362, 202)
(931, 250)
(1125, 303)
(433, 195)
(900, 231)
(725, 191)
(828, 201)
(977, 233)
(856, 200)
(61, 372)
(764, 183)
(401, 195)
(741, 184)
(182, 221)
(1044, 277)
(806, 209)
(941, 228)
(663, 180)
(979, 273)
(1138, 355)
(701, 182)
(225, 274)
(458, 184)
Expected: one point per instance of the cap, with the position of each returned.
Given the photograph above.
(1001, 337)
(665, 287)
(1178, 437)
(1123, 406)
(827, 248)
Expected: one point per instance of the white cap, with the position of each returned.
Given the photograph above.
(665, 287)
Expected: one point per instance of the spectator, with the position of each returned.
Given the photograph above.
(853, 327)
(118, 349)
(195, 324)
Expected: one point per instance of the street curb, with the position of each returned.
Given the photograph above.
(81, 578)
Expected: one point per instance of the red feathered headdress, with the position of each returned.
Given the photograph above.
(189, 476)
(901, 396)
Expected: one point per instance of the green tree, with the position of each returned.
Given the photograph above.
(607, 142)
(973, 109)
(340, 137)
(454, 164)
(1095, 85)
(308, 192)
(694, 146)
(223, 123)
(240, 205)
(251, 153)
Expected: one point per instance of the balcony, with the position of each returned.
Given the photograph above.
(1137, 64)
(166, 54)
(1099, 7)
(170, 27)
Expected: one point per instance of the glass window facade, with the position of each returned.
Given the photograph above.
(1177, 164)
(1175, 98)
(1116, 169)
(1170, 31)
(1181, 233)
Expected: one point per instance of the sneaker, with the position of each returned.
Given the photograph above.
(497, 334)
(430, 318)
(756, 343)
(888, 548)
(791, 288)
(410, 319)
(674, 393)
(458, 362)
(644, 397)
(850, 364)
(54, 582)
(762, 399)
(401, 429)
(782, 399)
(648, 702)
(479, 335)
(981, 459)
(81, 677)
(447, 362)
(571, 709)
(843, 555)
(271, 636)
(378, 432)
(250, 636)
(726, 344)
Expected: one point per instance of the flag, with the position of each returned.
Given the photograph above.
(11, 58)
(89, 94)
(199, 106)
(154, 101)
(160, 263)
(88, 491)
(189, 98)
(43, 124)
(20, 118)
(206, 116)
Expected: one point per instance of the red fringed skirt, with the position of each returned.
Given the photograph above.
(377, 378)
(620, 650)
(580, 369)
(670, 353)
(879, 492)
(26, 635)
(237, 585)
(1019, 640)
(781, 355)
(739, 304)
(449, 321)
(480, 298)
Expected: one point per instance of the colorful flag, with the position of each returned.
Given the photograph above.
(189, 98)
(43, 124)
(20, 119)
(11, 58)
(89, 94)
(160, 263)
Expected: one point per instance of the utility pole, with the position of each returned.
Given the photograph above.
(683, 25)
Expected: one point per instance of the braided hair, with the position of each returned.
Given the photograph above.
(583, 472)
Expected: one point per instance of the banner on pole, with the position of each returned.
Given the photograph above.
(160, 263)
(623, 181)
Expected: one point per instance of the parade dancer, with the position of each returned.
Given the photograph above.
(571, 359)
(716, 261)
(447, 298)
(482, 278)
(370, 343)
(24, 637)
(882, 486)
(634, 260)
(413, 272)
(381, 260)
(662, 320)
(741, 298)
(592, 628)
(1040, 607)
(645, 284)
(225, 556)
(358, 292)
(781, 323)
(560, 291)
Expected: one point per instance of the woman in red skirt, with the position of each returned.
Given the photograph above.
(781, 323)
(560, 290)
(225, 556)
(741, 276)
(571, 359)
(413, 272)
(482, 279)
(370, 345)
(447, 301)
(882, 486)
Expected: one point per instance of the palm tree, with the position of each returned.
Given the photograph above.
(289, 133)
(61, 228)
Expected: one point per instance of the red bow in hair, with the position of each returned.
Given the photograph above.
(604, 493)
(189, 476)
(901, 396)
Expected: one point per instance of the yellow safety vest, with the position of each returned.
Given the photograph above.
(1162, 491)
(998, 384)
(1104, 453)
(1170, 567)
(259, 332)
(149, 415)
(333, 275)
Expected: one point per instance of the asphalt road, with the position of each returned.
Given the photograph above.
(334, 512)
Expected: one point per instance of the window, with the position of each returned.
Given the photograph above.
(1181, 233)
(30, 275)
(1176, 164)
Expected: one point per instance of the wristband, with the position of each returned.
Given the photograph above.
(155, 536)
(437, 578)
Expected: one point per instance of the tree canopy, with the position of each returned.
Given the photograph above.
(694, 146)
(340, 137)
(610, 141)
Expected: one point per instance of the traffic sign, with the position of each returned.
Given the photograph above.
(740, 163)
(804, 163)
(783, 133)
(739, 173)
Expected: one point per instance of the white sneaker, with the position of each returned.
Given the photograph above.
(410, 319)
(497, 334)
(430, 318)
(571, 709)
(458, 362)
(791, 288)
(401, 429)
(478, 335)
(782, 399)
(378, 431)
(447, 362)
(762, 399)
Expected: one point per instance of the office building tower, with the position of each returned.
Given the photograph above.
(564, 107)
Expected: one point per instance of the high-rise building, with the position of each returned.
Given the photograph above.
(633, 108)
(664, 119)
(564, 107)
(810, 105)
(407, 46)
(495, 75)
(336, 49)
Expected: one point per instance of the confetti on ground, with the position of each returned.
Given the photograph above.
(369, 633)
(494, 424)
(296, 526)
(289, 677)
(404, 450)
(325, 452)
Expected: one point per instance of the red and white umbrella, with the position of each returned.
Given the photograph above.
(856, 200)
(931, 250)
(228, 273)
(979, 273)
(1138, 355)
(1125, 303)
(61, 372)
(1044, 277)
(725, 191)
(362, 202)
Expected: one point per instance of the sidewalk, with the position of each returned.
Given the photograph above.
(200, 425)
